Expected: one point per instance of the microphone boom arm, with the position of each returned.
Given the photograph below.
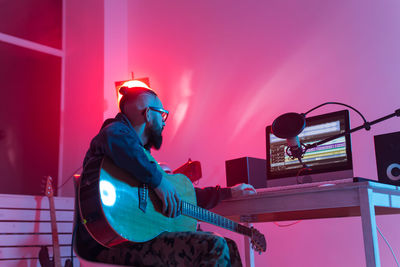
(366, 126)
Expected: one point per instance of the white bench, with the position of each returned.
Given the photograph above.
(25, 227)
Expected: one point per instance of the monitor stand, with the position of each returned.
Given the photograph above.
(310, 178)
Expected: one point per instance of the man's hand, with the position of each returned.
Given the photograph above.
(242, 190)
(169, 197)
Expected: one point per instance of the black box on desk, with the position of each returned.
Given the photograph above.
(387, 151)
(246, 170)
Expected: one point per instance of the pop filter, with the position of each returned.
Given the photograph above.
(288, 125)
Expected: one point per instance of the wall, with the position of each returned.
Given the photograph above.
(226, 69)
(115, 52)
(31, 59)
(83, 102)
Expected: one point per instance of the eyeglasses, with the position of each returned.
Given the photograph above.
(164, 113)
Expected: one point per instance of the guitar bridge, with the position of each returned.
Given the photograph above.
(143, 195)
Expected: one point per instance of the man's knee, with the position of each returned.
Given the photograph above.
(219, 245)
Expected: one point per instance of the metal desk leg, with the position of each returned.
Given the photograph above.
(249, 253)
(367, 208)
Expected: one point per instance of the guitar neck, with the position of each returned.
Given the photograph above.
(54, 234)
(213, 218)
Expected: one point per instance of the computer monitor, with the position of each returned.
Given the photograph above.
(329, 161)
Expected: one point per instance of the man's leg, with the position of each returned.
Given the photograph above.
(175, 249)
(234, 253)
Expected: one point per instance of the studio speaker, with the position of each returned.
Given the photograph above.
(246, 170)
(387, 151)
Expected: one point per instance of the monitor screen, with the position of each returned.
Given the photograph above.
(332, 156)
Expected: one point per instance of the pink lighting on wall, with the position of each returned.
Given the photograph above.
(226, 71)
(182, 101)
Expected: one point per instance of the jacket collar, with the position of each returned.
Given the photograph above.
(124, 119)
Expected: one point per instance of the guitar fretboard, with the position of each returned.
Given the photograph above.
(213, 218)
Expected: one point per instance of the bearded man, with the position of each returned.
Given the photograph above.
(125, 140)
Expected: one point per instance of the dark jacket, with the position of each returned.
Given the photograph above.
(118, 140)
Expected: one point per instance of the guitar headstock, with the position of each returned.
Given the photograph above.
(258, 242)
(48, 190)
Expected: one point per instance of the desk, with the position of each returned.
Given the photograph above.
(317, 201)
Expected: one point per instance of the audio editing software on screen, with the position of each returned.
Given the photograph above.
(332, 154)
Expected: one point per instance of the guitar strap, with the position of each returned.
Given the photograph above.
(143, 195)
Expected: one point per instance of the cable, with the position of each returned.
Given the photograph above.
(286, 225)
(69, 178)
(72, 243)
(366, 123)
(304, 168)
(387, 243)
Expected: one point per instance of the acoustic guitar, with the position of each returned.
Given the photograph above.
(116, 208)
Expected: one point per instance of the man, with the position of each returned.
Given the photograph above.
(124, 139)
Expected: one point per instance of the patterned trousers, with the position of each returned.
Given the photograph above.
(176, 249)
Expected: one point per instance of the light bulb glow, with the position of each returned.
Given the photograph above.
(135, 83)
(131, 84)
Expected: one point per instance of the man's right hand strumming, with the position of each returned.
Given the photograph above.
(169, 197)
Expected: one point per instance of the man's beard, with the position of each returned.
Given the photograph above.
(154, 138)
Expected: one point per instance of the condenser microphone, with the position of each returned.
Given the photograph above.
(295, 149)
(288, 126)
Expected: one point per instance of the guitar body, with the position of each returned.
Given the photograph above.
(116, 208)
